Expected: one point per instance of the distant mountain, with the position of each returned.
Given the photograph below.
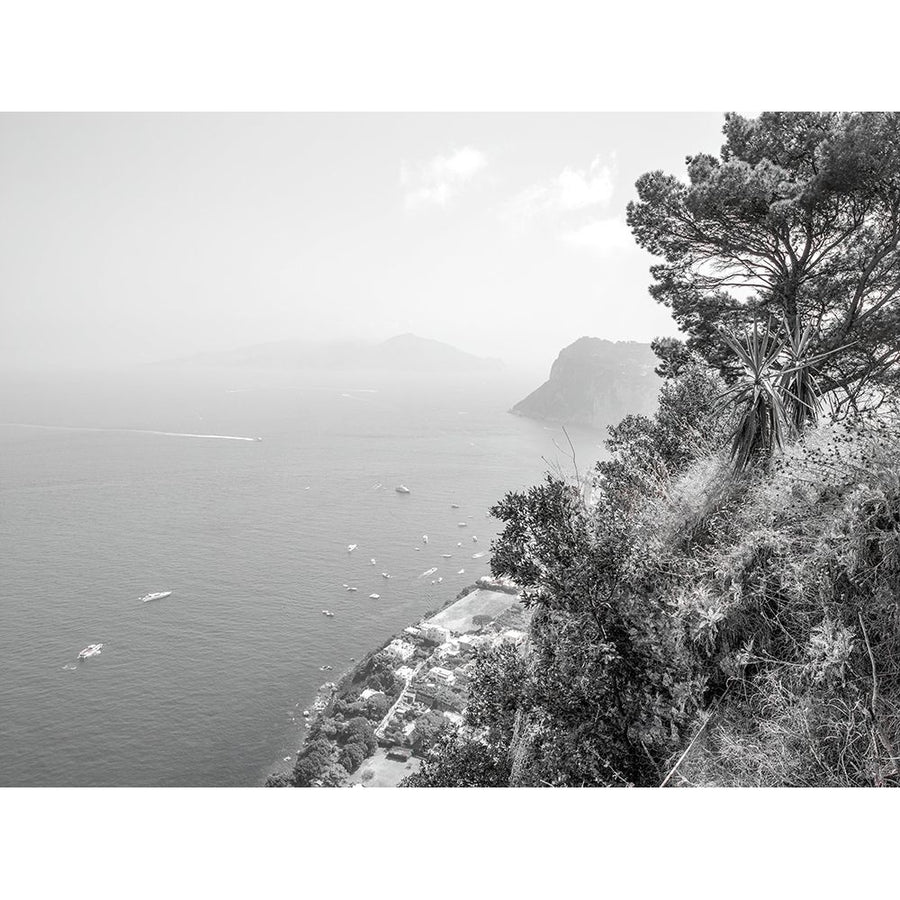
(402, 353)
(594, 382)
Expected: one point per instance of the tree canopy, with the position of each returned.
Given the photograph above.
(798, 219)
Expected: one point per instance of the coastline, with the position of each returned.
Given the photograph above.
(439, 636)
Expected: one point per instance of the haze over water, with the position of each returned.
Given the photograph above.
(206, 687)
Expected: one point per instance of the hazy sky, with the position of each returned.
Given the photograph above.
(138, 237)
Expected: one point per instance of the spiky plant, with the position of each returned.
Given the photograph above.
(800, 388)
(762, 423)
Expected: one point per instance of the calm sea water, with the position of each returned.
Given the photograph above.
(206, 687)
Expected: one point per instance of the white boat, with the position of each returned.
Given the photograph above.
(478, 555)
(463, 524)
(454, 506)
(446, 555)
(157, 596)
(440, 579)
(385, 575)
(374, 596)
(90, 650)
(428, 572)
(372, 561)
(326, 612)
(461, 572)
(351, 547)
(352, 589)
(402, 489)
(474, 539)
(424, 538)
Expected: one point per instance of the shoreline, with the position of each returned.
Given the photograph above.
(357, 676)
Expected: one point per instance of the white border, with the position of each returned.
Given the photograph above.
(389, 55)
(465, 55)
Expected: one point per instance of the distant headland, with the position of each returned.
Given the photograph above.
(401, 353)
(594, 383)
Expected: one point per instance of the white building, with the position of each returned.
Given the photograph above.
(448, 649)
(441, 675)
(402, 649)
(435, 633)
(472, 641)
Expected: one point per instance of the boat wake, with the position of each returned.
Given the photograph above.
(220, 437)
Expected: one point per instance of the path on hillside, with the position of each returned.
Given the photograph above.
(379, 731)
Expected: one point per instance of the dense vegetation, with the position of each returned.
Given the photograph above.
(342, 737)
(719, 602)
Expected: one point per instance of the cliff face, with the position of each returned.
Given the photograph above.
(595, 383)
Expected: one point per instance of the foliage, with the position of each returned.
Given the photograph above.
(693, 628)
(479, 754)
(804, 631)
(762, 413)
(798, 218)
(381, 673)
(609, 687)
(428, 729)
(333, 748)
(459, 762)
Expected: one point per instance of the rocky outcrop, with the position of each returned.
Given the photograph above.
(595, 383)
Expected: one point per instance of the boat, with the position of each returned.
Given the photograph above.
(461, 572)
(446, 555)
(157, 596)
(424, 538)
(454, 506)
(462, 524)
(372, 561)
(428, 572)
(402, 489)
(352, 589)
(326, 612)
(474, 539)
(374, 596)
(351, 547)
(90, 650)
(478, 555)
(385, 575)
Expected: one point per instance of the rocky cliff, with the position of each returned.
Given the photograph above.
(595, 383)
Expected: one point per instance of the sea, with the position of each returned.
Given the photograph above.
(117, 484)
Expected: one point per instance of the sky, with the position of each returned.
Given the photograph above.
(132, 238)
